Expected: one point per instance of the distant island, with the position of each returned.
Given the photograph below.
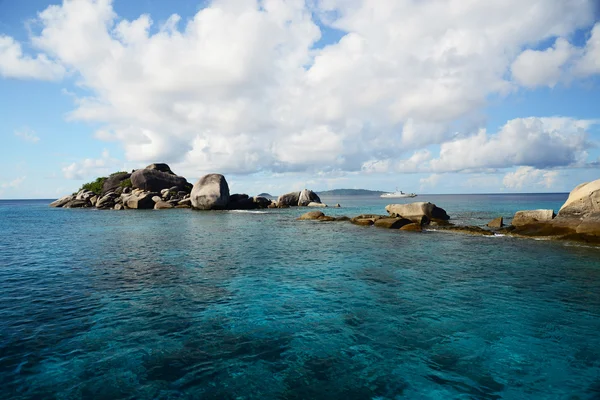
(351, 192)
(265, 195)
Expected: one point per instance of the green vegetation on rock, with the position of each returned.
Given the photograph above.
(95, 186)
(126, 183)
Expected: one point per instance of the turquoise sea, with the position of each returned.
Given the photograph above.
(182, 304)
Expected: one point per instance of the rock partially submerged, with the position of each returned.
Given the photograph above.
(419, 212)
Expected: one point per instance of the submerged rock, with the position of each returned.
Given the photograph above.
(314, 204)
(412, 227)
(392, 223)
(211, 192)
(311, 215)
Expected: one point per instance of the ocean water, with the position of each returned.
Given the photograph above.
(182, 304)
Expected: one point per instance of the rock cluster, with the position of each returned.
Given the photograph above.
(158, 187)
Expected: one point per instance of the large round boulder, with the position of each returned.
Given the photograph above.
(114, 181)
(288, 199)
(306, 197)
(153, 180)
(211, 192)
(417, 211)
(582, 201)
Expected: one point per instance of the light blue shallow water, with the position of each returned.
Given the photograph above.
(179, 304)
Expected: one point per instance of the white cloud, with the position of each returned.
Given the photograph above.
(542, 68)
(92, 168)
(536, 142)
(15, 183)
(530, 178)
(27, 135)
(560, 63)
(239, 87)
(14, 64)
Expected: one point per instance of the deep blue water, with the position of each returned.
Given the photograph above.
(181, 304)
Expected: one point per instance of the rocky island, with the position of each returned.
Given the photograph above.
(157, 187)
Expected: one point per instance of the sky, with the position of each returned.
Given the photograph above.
(428, 96)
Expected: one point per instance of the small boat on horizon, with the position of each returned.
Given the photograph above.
(398, 194)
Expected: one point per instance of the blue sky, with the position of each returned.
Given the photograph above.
(280, 95)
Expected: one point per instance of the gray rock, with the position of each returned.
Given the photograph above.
(241, 202)
(162, 167)
(143, 201)
(582, 201)
(157, 199)
(261, 202)
(119, 207)
(162, 205)
(306, 197)
(93, 200)
(185, 202)
(77, 204)
(106, 201)
(84, 195)
(315, 204)
(113, 182)
(288, 200)
(211, 192)
(532, 217)
(153, 180)
(62, 201)
(416, 212)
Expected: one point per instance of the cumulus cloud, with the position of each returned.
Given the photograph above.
(535, 142)
(241, 88)
(542, 68)
(91, 168)
(530, 178)
(560, 63)
(28, 135)
(15, 64)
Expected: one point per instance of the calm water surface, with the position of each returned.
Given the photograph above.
(179, 304)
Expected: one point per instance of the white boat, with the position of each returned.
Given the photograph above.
(397, 195)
